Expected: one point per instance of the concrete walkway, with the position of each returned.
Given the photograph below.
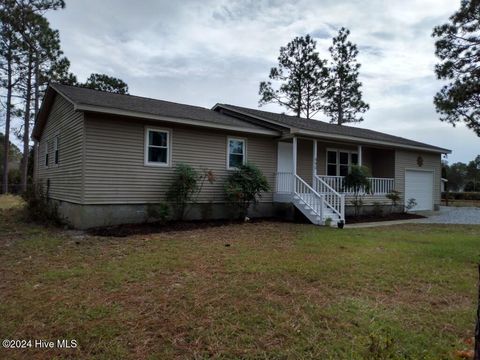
(454, 215)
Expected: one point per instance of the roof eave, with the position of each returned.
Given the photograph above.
(369, 141)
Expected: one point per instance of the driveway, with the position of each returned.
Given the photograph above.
(453, 215)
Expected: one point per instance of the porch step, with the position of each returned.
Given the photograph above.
(314, 205)
(313, 216)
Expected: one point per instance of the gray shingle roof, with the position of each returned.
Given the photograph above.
(323, 127)
(84, 96)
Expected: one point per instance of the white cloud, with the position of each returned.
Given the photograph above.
(219, 50)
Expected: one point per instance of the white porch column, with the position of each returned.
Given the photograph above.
(359, 155)
(294, 158)
(314, 164)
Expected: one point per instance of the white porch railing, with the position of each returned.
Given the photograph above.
(381, 185)
(309, 196)
(378, 186)
(284, 184)
(333, 199)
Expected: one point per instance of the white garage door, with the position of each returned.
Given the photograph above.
(419, 186)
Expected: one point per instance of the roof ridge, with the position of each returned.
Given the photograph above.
(129, 95)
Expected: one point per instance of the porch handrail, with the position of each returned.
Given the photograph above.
(377, 185)
(309, 196)
(381, 185)
(333, 199)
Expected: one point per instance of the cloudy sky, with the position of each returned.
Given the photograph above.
(209, 51)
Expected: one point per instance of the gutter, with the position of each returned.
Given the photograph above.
(370, 141)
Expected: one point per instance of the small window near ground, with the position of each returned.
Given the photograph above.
(55, 149)
(157, 147)
(46, 154)
(236, 153)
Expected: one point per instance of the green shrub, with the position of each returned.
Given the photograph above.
(411, 203)
(394, 197)
(14, 181)
(461, 195)
(244, 186)
(357, 181)
(39, 208)
(186, 186)
(158, 212)
(183, 188)
(472, 186)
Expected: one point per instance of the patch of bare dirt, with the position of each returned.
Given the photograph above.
(166, 227)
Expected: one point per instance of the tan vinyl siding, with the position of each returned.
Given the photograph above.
(304, 159)
(65, 178)
(408, 160)
(367, 160)
(114, 165)
(383, 163)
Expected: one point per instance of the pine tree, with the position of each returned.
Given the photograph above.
(41, 51)
(343, 95)
(10, 46)
(104, 82)
(301, 74)
(458, 47)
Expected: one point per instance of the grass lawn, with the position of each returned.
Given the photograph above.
(10, 201)
(283, 291)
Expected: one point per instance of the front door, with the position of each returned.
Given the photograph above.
(284, 167)
(285, 157)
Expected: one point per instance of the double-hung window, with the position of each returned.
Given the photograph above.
(339, 162)
(157, 147)
(46, 153)
(55, 150)
(236, 153)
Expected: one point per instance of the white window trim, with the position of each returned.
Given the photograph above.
(169, 147)
(244, 141)
(337, 163)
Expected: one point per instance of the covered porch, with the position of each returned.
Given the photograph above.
(323, 166)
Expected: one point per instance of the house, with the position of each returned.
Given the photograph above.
(103, 157)
(443, 184)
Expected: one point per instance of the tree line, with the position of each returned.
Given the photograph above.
(306, 84)
(30, 58)
(457, 45)
(462, 176)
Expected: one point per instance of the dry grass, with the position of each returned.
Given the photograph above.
(10, 201)
(278, 290)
